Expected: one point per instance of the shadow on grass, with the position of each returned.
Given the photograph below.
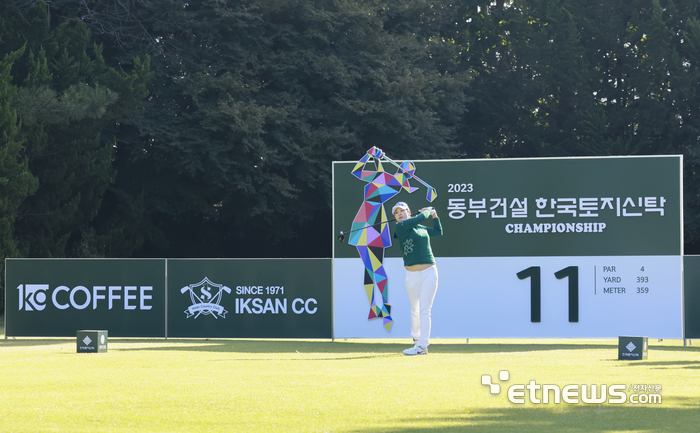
(32, 342)
(303, 346)
(669, 364)
(683, 416)
(340, 347)
(332, 347)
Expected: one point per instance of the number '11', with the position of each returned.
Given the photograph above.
(533, 273)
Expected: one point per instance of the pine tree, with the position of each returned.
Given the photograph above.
(66, 98)
(16, 182)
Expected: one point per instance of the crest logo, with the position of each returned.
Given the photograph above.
(205, 297)
(408, 247)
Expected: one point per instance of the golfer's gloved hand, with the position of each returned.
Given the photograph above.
(378, 153)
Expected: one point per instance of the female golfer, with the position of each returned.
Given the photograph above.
(421, 272)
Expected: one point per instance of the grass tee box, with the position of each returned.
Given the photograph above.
(244, 385)
(91, 341)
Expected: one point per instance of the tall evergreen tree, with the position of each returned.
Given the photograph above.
(66, 97)
(16, 182)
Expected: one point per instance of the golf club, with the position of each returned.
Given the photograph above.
(341, 236)
(432, 192)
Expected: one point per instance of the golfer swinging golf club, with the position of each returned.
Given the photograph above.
(421, 271)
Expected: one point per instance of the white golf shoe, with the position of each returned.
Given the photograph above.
(416, 350)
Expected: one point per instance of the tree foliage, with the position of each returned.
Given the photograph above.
(65, 98)
(565, 78)
(252, 100)
(57, 96)
(16, 181)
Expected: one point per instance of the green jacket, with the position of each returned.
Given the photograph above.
(414, 239)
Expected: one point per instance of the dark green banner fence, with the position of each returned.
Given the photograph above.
(276, 298)
(691, 296)
(208, 298)
(280, 298)
(57, 297)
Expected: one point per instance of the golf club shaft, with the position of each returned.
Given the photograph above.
(432, 192)
(371, 225)
(402, 169)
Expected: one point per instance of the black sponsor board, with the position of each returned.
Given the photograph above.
(58, 297)
(249, 298)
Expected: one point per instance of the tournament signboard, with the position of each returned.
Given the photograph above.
(586, 247)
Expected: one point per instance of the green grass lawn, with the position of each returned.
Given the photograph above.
(151, 385)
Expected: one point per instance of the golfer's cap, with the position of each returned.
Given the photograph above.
(398, 205)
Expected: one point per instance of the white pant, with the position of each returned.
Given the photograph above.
(421, 287)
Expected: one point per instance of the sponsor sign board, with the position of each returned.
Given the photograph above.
(249, 298)
(58, 297)
(632, 348)
(91, 341)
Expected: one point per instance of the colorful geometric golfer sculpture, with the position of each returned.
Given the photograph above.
(370, 232)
